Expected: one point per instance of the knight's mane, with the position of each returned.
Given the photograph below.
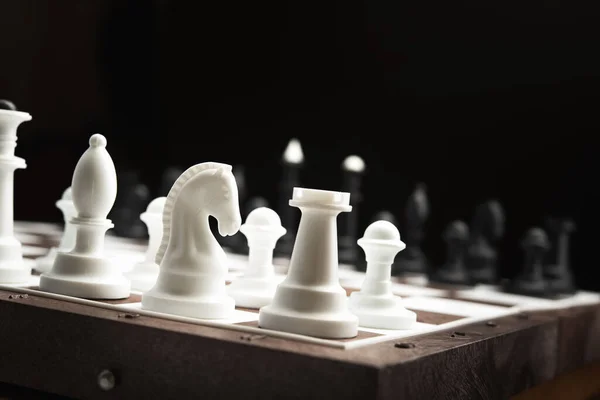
(179, 184)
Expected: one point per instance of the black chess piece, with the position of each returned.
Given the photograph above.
(132, 199)
(530, 281)
(236, 243)
(7, 105)
(454, 270)
(168, 178)
(413, 260)
(487, 228)
(292, 163)
(353, 169)
(557, 270)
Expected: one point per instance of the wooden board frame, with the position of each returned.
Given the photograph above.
(61, 347)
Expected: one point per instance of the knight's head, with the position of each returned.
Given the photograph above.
(225, 202)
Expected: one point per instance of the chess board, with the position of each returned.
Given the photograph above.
(448, 318)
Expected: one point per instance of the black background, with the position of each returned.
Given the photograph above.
(477, 99)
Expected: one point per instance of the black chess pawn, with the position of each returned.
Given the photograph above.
(7, 105)
(292, 162)
(132, 199)
(353, 169)
(454, 270)
(487, 229)
(530, 281)
(557, 270)
(168, 178)
(412, 259)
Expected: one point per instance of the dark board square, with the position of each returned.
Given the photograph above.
(433, 318)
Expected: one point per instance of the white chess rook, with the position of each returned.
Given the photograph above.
(67, 242)
(375, 304)
(85, 271)
(256, 287)
(143, 275)
(12, 267)
(193, 266)
(311, 301)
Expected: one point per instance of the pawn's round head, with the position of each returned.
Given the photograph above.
(7, 105)
(263, 217)
(382, 234)
(67, 194)
(381, 242)
(265, 220)
(156, 206)
(457, 231)
(536, 238)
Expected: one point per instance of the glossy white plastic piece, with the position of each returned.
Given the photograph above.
(193, 266)
(85, 271)
(375, 304)
(67, 242)
(311, 301)
(12, 267)
(256, 287)
(144, 274)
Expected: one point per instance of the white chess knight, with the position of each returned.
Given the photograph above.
(256, 287)
(311, 301)
(12, 267)
(67, 242)
(193, 266)
(85, 270)
(143, 275)
(375, 304)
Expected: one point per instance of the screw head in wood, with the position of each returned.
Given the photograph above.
(106, 380)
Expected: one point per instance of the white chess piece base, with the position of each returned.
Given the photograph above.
(327, 325)
(381, 312)
(252, 293)
(143, 276)
(44, 263)
(12, 267)
(86, 277)
(180, 302)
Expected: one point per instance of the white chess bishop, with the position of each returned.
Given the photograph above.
(143, 275)
(256, 287)
(311, 301)
(85, 270)
(375, 304)
(67, 242)
(193, 266)
(12, 267)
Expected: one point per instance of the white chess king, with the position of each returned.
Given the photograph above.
(85, 271)
(12, 267)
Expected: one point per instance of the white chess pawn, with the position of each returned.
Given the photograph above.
(67, 242)
(311, 301)
(143, 275)
(85, 271)
(12, 267)
(375, 304)
(256, 287)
